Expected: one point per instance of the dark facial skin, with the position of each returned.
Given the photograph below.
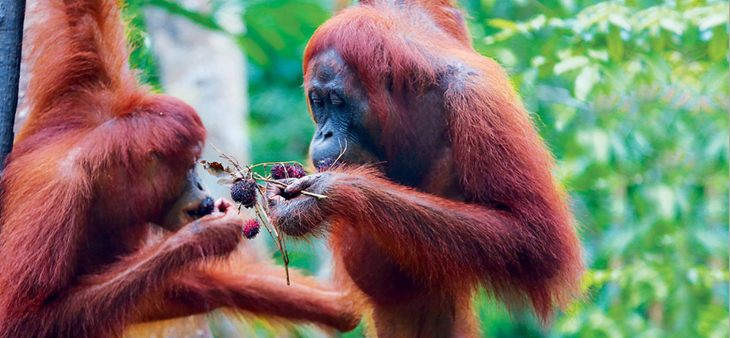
(193, 202)
(350, 132)
(348, 129)
(339, 107)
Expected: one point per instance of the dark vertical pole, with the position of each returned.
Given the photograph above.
(12, 13)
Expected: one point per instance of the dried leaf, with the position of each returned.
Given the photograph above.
(216, 169)
(227, 180)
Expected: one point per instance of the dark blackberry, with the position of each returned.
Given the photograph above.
(205, 208)
(244, 192)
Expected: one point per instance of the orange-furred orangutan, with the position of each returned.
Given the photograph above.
(99, 159)
(440, 183)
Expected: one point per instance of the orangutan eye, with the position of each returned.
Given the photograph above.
(335, 99)
(316, 100)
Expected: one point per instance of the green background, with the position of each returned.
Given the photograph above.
(632, 98)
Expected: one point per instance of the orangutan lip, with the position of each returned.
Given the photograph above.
(325, 164)
(205, 208)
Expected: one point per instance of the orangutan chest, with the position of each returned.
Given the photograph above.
(374, 272)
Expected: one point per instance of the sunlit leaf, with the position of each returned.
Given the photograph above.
(585, 81)
(716, 19)
(502, 24)
(570, 63)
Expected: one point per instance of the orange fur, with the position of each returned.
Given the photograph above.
(99, 158)
(466, 198)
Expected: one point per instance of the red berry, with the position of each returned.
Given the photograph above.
(251, 228)
(295, 170)
(278, 171)
(244, 192)
(281, 171)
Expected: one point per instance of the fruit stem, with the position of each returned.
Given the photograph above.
(282, 185)
(277, 237)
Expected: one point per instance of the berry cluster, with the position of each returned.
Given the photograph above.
(290, 170)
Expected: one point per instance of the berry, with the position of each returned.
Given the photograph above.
(295, 170)
(244, 192)
(206, 207)
(251, 228)
(281, 171)
(278, 171)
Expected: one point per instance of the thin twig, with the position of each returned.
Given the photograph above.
(277, 237)
(262, 215)
(273, 163)
(282, 185)
(284, 256)
(230, 159)
(342, 152)
(261, 206)
(258, 214)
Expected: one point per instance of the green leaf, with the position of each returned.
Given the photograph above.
(615, 44)
(619, 20)
(253, 50)
(673, 25)
(713, 20)
(570, 63)
(718, 47)
(502, 24)
(585, 81)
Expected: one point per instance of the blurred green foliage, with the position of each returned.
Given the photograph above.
(631, 96)
(633, 99)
